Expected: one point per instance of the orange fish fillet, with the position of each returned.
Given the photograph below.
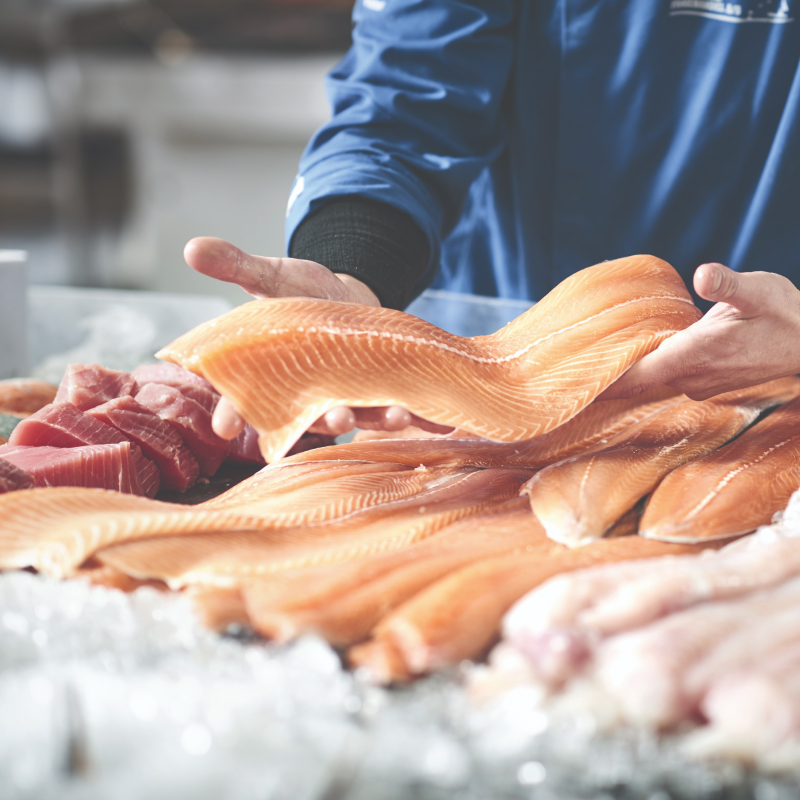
(601, 423)
(343, 602)
(25, 395)
(577, 500)
(459, 616)
(732, 490)
(284, 362)
(228, 558)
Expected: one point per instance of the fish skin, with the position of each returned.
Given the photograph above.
(343, 602)
(732, 490)
(307, 356)
(459, 616)
(25, 395)
(601, 423)
(579, 499)
(230, 558)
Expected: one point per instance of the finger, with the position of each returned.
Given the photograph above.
(382, 418)
(261, 276)
(672, 360)
(335, 422)
(225, 421)
(719, 284)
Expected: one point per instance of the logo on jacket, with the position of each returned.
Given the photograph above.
(769, 11)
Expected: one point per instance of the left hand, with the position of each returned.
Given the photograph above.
(751, 335)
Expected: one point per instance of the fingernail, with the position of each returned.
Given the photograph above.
(716, 278)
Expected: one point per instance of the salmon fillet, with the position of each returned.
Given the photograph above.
(578, 499)
(25, 395)
(732, 490)
(306, 356)
(459, 616)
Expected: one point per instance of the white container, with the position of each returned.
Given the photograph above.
(13, 314)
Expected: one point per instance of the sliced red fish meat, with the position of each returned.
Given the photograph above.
(158, 440)
(190, 419)
(13, 478)
(89, 385)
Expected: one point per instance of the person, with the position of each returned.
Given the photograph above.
(497, 146)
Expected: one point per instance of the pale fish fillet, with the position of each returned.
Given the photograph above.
(732, 490)
(754, 714)
(380, 661)
(343, 602)
(459, 616)
(598, 425)
(579, 499)
(645, 671)
(229, 558)
(284, 362)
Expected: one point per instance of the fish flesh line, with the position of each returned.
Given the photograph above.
(732, 490)
(601, 423)
(227, 559)
(306, 356)
(459, 616)
(578, 499)
(25, 395)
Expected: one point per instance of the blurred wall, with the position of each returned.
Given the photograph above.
(115, 149)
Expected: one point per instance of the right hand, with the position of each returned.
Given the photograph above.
(262, 277)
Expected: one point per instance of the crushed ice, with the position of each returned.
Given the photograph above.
(104, 694)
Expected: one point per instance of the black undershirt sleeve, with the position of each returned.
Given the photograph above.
(372, 241)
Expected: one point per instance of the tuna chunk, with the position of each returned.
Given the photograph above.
(191, 420)
(106, 466)
(244, 447)
(159, 440)
(13, 478)
(89, 385)
(169, 375)
(64, 425)
(187, 383)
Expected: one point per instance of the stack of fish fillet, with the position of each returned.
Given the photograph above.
(406, 553)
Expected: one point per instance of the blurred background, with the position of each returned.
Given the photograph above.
(129, 126)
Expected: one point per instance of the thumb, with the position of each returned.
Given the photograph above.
(719, 284)
(261, 276)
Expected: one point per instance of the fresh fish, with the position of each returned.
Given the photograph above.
(25, 395)
(732, 490)
(601, 423)
(459, 616)
(284, 362)
(55, 530)
(343, 602)
(13, 478)
(579, 499)
(100, 466)
(89, 385)
(159, 440)
(381, 661)
(230, 558)
(650, 673)
(190, 419)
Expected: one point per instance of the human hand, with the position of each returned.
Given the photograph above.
(263, 277)
(751, 335)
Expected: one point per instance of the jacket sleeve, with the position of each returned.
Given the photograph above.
(416, 108)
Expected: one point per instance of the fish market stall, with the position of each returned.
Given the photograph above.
(108, 693)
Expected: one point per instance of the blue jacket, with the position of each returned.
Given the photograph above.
(531, 139)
